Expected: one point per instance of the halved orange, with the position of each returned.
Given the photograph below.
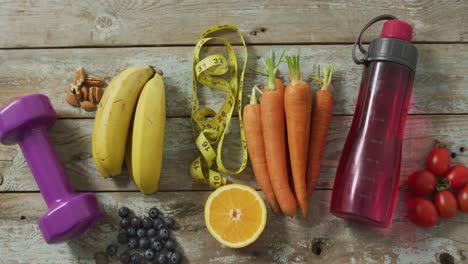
(235, 215)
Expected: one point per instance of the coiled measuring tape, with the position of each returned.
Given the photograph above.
(209, 126)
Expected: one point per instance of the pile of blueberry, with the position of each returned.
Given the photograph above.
(149, 235)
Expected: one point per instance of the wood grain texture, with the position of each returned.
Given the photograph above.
(285, 240)
(72, 138)
(440, 85)
(321, 31)
(110, 22)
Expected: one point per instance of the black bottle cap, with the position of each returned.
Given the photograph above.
(393, 49)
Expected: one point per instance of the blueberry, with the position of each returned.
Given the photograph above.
(124, 211)
(132, 243)
(175, 257)
(162, 259)
(112, 250)
(136, 258)
(149, 254)
(131, 232)
(141, 233)
(136, 222)
(125, 222)
(158, 223)
(125, 257)
(122, 237)
(147, 223)
(144, 243)
(164, 233)
(156, 238)
(157, 245)
(151, 232)
(170, 244)
(153, 212)
(169, 222)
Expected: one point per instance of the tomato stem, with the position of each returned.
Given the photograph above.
(443, 185)
(438, 144)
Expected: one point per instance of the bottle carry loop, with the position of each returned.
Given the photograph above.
(358, 42)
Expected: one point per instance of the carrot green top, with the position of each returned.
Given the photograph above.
(253, 96)
(271, 69)
(324, 81)
(294, 68)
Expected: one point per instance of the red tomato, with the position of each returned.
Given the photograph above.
(463, 199)
(422, 182)
(457, 176)
(446, 203)
(422, 212)
(438, 160)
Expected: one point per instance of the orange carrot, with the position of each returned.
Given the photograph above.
(321, 117)
(298, 107)
(273, 125)
(256, 148)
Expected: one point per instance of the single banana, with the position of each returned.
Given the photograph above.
(113, 118)
(148, 136)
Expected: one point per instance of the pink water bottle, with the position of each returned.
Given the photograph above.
(368, 173)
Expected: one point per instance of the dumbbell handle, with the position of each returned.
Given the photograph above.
(45, 166)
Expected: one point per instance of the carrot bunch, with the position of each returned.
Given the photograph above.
(278, 133)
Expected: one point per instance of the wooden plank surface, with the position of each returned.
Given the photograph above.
(321, 239)
(72, 138)
(440, 85)
(43, 42)
(91, 23)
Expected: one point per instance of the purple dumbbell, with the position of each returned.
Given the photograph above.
(25, 121)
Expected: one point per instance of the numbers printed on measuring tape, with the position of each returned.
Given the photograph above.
(209, 125)
(196, 164)
(217, 179)
(200, 68)
(206, 145)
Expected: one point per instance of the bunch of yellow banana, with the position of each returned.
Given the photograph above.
(138, 93)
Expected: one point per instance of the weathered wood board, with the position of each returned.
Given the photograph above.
(73, 140)
(321, 239)
(440, 85)
(43, 42)
(109, 23)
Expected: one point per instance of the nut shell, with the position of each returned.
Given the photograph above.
(88, 106)
(80, 75)
(76, 91)
(72, 100)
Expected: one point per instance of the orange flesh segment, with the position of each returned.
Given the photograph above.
(224, 209)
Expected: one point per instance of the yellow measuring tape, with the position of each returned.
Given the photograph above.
(209, 126)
